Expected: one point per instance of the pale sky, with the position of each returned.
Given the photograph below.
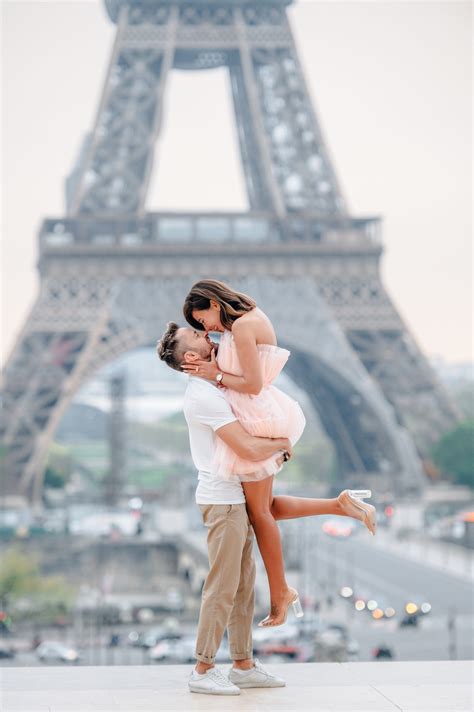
(391, 82)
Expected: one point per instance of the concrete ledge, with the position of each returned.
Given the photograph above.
(319, 687)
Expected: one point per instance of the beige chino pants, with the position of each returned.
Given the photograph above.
(228, 596)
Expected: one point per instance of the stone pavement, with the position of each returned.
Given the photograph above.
(319, 687)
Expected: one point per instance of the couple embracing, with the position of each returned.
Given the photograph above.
(242, 429)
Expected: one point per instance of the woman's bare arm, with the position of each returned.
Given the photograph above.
(251, 380)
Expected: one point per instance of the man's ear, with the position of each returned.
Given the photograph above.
(191, 357)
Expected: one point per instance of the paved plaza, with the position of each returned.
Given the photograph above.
(323, 687)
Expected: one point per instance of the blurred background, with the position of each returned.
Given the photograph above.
(217, 173)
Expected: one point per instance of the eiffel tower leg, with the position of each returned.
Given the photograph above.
(257, 186)
(296, 153)
(114, 169)
(251, 90)
(357, 298)
(394, 360)
(69, 334)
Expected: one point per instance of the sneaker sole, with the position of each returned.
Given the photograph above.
(246, 685)
(214, 692)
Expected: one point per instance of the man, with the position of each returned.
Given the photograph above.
(228, 593)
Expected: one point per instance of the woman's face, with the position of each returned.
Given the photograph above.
(209, 318)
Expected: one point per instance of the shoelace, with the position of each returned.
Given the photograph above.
(260, 668)
(216, 675)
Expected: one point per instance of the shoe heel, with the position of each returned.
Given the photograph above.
(361, 494)
(297, 608)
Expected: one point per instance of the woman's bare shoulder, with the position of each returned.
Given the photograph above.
(257, 323)
(249, 320)
(244, 324)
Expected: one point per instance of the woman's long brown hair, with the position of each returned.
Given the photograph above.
(232, 304)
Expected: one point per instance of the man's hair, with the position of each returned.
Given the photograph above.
(169, 348)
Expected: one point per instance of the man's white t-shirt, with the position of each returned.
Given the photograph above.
(206, 410)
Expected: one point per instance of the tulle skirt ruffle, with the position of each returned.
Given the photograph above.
(270, 414)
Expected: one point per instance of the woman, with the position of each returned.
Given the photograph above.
(248, 362)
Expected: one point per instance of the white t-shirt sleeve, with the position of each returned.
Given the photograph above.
(213, 410)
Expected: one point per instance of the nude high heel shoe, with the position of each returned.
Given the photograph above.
(352, 504)
(294, 601)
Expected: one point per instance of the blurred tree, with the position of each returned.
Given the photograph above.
(454, 453)
(18, 576)
(58, 466)
(44, 597)
(52, 601)
(53, 479)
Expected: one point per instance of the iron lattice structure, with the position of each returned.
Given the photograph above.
(112, 275)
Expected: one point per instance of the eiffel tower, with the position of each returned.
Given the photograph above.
(112, 274)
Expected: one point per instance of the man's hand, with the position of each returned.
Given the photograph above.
(204, 369)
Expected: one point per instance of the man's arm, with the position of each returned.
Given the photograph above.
(249, 447)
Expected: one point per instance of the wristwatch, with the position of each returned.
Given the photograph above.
(219, 377)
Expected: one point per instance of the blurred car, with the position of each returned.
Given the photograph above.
(52, 651)
(104, 523)
(174, 600)
(273, 634)
(6, 653)
(154, 635)
(135, 638)
(377, 607)
(55, 521)
(183, 650)
(382, 652)
(352, 649)
(335, 644)
(310, 624)
(173, 651)
(280, 652)
(338, 528)
(415, 608)
(385, 509)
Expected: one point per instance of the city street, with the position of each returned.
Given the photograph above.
(392, 581)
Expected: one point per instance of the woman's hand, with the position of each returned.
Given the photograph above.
(204, 369)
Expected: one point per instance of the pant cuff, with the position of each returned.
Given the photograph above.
(242, 656)
(205, 658)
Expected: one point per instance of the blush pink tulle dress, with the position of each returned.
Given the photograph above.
(270, 414)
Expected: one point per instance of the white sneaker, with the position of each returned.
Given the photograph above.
(255, 677)
(212, 682)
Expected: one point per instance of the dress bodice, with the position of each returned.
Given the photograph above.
(272, 358)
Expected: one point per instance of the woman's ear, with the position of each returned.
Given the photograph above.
(214, 304)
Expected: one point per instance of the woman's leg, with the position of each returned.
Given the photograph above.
(345, 505)
(283, 507)
(258, 497)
